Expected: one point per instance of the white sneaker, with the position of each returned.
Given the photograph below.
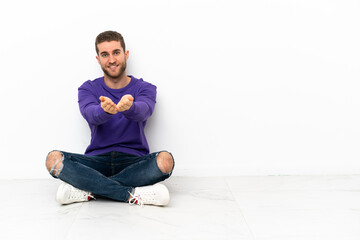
(156, 194)
(67, 194)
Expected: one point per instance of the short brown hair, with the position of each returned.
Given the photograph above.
(109, 36)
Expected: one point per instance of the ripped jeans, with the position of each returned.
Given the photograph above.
(112, 175)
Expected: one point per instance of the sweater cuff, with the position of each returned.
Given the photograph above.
(131, 111)
(102, 115)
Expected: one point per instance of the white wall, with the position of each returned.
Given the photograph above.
(244, 87)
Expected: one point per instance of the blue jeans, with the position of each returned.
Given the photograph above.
(112, 175)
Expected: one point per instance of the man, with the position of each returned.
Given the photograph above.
(117, 163)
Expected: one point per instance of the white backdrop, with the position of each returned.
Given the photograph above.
(244, 87)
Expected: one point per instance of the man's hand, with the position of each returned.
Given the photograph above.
(108, 105)
(125, 103)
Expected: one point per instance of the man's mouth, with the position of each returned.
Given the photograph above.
(113, 67)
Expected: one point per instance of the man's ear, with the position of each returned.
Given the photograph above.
(127, 54)
(98, 59)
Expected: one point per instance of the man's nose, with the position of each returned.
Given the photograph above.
(112, 58)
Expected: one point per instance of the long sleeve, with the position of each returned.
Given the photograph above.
(90, 107)
(143, 105)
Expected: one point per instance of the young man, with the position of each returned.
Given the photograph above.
(117, 163)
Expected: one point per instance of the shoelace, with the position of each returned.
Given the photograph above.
(77, 194)
(135, 200)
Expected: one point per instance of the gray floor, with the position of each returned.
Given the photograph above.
(260, 208)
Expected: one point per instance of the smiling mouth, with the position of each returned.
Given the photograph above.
(113, 67)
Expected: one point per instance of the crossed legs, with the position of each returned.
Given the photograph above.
(69, 168)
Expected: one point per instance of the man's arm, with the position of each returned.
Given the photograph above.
(93, 108)
(141, 107)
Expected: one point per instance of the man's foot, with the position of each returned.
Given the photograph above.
(67, 194)
(156, 194)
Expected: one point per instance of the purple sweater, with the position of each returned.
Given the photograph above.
(121, 132)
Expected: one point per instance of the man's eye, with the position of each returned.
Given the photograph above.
(117, 53)
(104, 55)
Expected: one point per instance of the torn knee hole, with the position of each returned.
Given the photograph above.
(165, 162)
(54, 163)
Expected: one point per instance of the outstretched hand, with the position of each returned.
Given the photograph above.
(124, 104)
(108, 105)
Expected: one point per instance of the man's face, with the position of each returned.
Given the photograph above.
(112, 58)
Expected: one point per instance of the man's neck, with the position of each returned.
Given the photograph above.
(117, 83)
